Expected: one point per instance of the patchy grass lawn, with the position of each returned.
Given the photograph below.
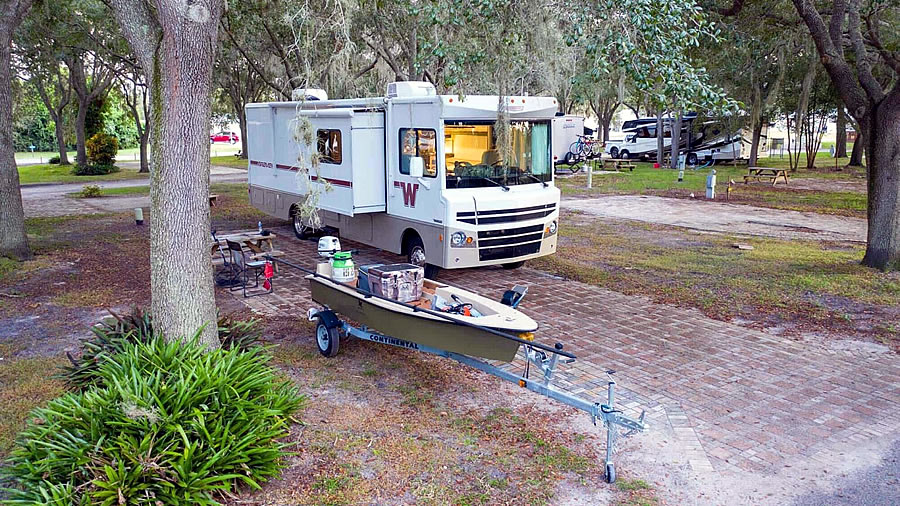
(229, 161)
(24, 385)
(49, 173)
(645, 180)
(391, 426)
(382, 425)
(233, 207)
(113, 192)
(636, 493)
(806, 286)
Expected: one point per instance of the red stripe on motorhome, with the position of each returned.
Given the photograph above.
(336, 182)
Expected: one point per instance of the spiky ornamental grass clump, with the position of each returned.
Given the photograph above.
(113, 333)
(165, 423)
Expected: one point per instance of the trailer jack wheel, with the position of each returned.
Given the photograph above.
(327, 339)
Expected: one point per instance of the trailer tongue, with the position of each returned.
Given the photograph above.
(330, 328)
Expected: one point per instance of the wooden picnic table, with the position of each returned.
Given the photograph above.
(768, 173)
(258, 244)
(253, 240)
(618, 163)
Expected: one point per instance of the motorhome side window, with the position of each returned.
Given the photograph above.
(329, 146)
(418, 142)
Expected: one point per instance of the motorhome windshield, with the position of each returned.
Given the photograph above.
(474, 160)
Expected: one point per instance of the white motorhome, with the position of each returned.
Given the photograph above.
(415, 173)
(707, 142)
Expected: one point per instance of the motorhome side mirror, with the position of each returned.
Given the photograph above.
(416, 166)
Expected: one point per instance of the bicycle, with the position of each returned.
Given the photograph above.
(586, 147)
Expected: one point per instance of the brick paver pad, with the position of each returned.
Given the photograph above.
(725, 403)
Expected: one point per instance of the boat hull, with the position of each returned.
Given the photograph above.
(413, 327)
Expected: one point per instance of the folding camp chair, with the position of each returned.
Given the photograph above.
(242, 266)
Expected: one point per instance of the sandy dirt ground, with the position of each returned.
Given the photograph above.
(724, 218)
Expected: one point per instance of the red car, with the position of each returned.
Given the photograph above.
(224, 137)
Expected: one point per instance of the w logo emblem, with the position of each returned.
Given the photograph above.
(409, 192)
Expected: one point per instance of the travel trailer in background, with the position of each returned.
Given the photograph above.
(565, 131)
(703, 141)
(415, 173)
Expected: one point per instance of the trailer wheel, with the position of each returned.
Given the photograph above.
(691, 159)
(415, 254)
(610, 473)
(327, 339)
(570, 158)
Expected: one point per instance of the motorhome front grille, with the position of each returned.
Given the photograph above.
(502, 252)
(503, 232)
(483, 243)
(506, 215)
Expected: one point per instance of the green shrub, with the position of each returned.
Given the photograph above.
(90, 191)
(54, 160)
(166, 423)
(102, 149)
(94, 170)
(114, 333)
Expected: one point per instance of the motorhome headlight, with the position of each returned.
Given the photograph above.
(458, 239)
(552, 228)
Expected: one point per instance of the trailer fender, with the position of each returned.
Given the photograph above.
(327, 317)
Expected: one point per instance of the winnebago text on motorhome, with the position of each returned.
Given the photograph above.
(415, 173)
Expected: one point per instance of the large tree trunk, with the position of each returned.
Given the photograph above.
(676, 142)
(840, 134)
(176, 46)
(883, 163)
(56, 112)
(61, 141)
(145, 161)
(660, 145)
(80, 140)
(242, 124)
(13, 241)
(754, 143)
(856, 155)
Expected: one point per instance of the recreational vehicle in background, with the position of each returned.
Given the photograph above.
(565, 131)
(706, 141)
(415, 173)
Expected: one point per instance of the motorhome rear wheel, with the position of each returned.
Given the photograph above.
(301, 230)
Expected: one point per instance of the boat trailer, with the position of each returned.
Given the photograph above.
(329, 328)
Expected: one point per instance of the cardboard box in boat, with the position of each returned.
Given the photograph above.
(401, 282)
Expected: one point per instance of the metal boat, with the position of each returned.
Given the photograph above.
(417, 323)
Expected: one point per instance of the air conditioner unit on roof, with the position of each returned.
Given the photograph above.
(307, 94)
(410, 89)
